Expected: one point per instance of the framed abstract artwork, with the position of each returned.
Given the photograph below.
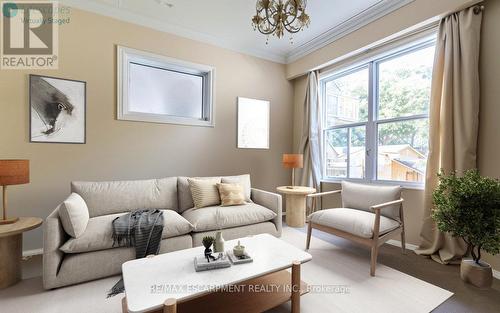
(253, 123)
(57, 110)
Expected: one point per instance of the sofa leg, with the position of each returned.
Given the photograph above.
(373, 263)
(309, 231)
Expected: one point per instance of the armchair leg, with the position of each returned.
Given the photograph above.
(373, 263)
(309, 231)
(403, 242)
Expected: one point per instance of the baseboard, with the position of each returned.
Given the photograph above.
(397, 243)
(496, 274)
(30, 253)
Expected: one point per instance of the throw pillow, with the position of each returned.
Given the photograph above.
(74, 215)
(231, 194)
(204, 191)
(244, 181)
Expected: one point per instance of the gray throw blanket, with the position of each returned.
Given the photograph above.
(141, 229)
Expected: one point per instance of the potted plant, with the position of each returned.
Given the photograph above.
(469, 207)
(207, 242)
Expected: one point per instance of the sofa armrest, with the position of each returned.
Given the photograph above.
(53, 238)
(273, 202)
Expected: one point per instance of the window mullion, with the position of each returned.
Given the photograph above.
(348, 153)
(370, 126)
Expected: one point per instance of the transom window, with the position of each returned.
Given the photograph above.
(375, 123)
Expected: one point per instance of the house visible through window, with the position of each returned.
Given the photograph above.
(375, 123)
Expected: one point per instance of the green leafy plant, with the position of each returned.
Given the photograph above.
(207, 241)
(469, 207)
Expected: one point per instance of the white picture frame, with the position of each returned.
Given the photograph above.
(254, 125)
(175, 73)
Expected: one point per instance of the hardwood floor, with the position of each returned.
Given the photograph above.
(466, 298)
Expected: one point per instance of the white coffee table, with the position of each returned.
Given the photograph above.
(168, 282)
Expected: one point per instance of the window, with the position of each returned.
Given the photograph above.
(154, 88)
(375, 115)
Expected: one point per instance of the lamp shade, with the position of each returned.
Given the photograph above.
(14, 172)
(293, 160)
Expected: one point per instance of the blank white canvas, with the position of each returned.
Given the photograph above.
(253, 123)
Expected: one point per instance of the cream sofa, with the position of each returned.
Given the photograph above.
(68, 260)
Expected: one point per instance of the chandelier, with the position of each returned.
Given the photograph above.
(275, 16)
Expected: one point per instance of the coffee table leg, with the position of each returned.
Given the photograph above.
(170, 306)
(296, 287)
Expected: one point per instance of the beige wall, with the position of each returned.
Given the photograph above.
(489, 127)
(134, 150)
(401, 19)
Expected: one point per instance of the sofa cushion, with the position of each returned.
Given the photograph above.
(238, 232)
(352, 221)
(98, 235)
(217, 217)
(204, 192)
(363, 196)
(184, 192)
(74, 215)
(231, 194)
(104, 198)
(81, 267)
(244, 181)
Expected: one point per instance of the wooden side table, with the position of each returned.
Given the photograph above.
(295, 204)
(11, 249)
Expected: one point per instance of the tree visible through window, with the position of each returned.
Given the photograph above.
(378, 129)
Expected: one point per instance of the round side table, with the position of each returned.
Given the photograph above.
(11, 249)
(295, 204)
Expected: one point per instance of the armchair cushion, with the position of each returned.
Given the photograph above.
(362, 197)
(356, 222)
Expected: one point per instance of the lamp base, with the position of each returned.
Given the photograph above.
(291, 187)
(9, 221)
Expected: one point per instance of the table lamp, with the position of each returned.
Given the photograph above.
(293, 161)
(12, 172)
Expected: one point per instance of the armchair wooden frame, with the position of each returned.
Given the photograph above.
(373, 243)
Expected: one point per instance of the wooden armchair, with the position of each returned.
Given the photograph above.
(370, 215)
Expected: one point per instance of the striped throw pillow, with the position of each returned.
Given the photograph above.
(231, 194)
(204, 191)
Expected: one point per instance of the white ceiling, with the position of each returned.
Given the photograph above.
(227, 23)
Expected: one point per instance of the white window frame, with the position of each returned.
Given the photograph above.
(372, 123)
(127, 56)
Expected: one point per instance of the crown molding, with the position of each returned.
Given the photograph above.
(130, 17)
(359, 20)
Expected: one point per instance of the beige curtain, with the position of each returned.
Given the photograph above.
(310, 142)
(453, 115)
